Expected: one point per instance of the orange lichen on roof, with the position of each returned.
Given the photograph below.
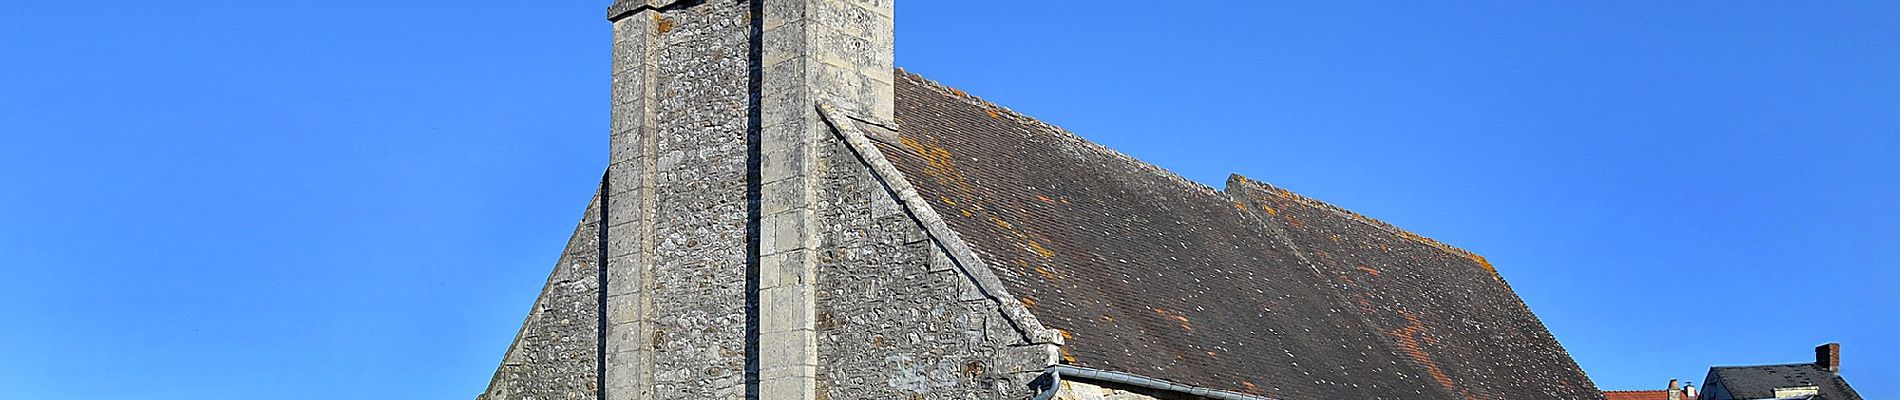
(1486, 264)
(1029, 302)
(1269, 209)
(1369, 270)
(992, 113)
(1251, 388)
(1045, 199)
(1041, 251)
(1045, 272)
(934, 156)
(961, 194)
(1410, 337)
(939, 165)
(1176, 316)
(1364, 304)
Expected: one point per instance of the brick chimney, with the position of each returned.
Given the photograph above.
(1828, 356)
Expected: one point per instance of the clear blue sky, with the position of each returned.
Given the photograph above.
(223, 199)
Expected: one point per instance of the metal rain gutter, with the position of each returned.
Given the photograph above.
(1057, 372)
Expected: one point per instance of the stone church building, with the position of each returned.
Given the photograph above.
(786, 216)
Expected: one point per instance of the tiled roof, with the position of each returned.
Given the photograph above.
(1447, 309)
(1760, 381)
(1636, 395)
(1151, 274)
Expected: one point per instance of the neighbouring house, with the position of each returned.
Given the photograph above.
(1818, 380)
(784, 215)
(1675, 391)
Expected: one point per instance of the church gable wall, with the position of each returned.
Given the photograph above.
(896, 317)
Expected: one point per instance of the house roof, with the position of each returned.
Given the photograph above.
(1760, 381)
(1636, 395)
(1149, 273)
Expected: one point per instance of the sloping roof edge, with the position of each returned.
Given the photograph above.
(854, 136)
(1369, 221)
(1760, 366)
(1070, 136)
(589, 217)
(1240, 180)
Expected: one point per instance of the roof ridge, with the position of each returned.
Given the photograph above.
(1767, 365)
(1061, 133)
(1374, 222)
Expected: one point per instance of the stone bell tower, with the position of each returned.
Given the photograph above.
(710, 248)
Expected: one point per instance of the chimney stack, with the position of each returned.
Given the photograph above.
(1828, 356)
(716, 141)
(1675, 390)
(1688, 391)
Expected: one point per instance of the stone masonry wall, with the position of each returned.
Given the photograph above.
(699, 254)
(895, 319)
(552, 357)
(680, 209)
(835, 53)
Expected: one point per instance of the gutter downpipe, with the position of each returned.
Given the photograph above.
(1055, 385)
(1055, 372)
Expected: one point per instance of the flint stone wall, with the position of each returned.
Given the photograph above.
(896, 319)
(553, 356)
(698, 271)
